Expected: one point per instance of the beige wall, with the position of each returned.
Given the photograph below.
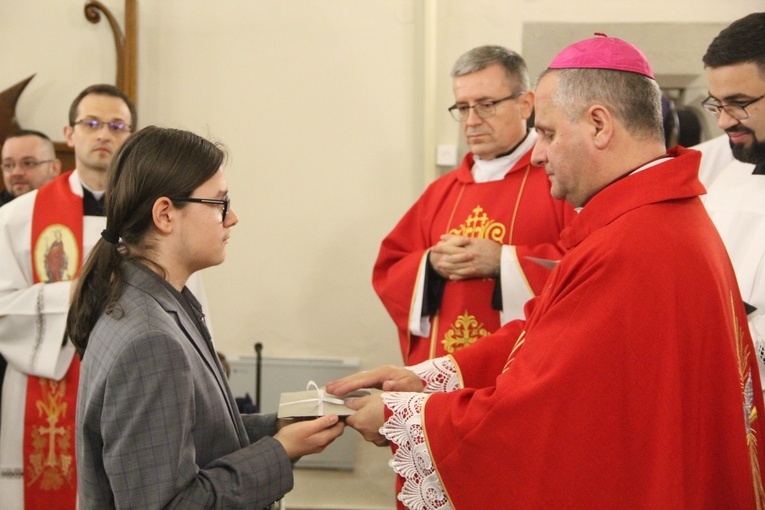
(322, 105)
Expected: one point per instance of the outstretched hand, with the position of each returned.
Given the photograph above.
(311, 436)
(368, 418)
(385, 377)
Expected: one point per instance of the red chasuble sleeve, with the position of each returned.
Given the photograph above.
(635, 385)
(479, 364)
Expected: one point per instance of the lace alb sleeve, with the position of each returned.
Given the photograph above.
(439, 374)
(422, 488)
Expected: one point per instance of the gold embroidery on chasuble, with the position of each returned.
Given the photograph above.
(52, 459)
(56, 254)
(481, 226)
(465, 330)
(750, 411)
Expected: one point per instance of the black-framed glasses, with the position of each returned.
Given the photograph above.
(24, 164)
(484, 109)
(94, 125)
(735, 110)
(226, 203)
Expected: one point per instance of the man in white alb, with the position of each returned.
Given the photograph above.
(733, 165)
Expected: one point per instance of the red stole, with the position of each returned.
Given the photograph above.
(50, 476)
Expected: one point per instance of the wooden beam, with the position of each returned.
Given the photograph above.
(126, 44)
(130, 65)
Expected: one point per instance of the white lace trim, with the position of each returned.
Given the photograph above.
(422, 489)
(759, 348)
(439, 375)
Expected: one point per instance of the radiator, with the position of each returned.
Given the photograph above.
(291, 374)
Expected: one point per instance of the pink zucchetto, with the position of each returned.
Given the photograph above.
(603, 52)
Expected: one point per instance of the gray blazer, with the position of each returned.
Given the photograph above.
(157, 425)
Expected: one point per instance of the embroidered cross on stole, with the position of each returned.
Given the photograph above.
(50, 476)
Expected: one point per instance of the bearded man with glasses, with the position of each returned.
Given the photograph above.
(733, 165)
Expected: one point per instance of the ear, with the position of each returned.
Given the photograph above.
(602, 122)
(56, 168)
(68, 132)
(163, 215)
(527, 104)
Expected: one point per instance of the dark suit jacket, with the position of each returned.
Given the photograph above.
(157, 425)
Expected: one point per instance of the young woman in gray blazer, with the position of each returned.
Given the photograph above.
(157, 425)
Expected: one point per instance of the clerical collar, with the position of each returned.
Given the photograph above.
(92, 201)
(495, 169)
(98, 195)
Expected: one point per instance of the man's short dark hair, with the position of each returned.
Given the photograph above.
(28, 132)
(47, 142)
(741, 42)
(103, 89)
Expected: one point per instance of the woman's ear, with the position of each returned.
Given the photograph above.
(163, 215)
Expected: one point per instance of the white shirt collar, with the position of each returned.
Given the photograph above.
(77, 186)
(496, 169)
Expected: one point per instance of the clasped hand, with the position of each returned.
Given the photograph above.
(458, 257)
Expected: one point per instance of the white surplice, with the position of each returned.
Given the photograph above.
(735, 201)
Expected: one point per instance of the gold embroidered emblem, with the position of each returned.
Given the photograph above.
(56, 254)
(463, 332)
(750, 411)
(52, 459)
(481, 226)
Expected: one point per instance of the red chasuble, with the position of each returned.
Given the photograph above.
(632, 383)
(50, 477)
(516, 210)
